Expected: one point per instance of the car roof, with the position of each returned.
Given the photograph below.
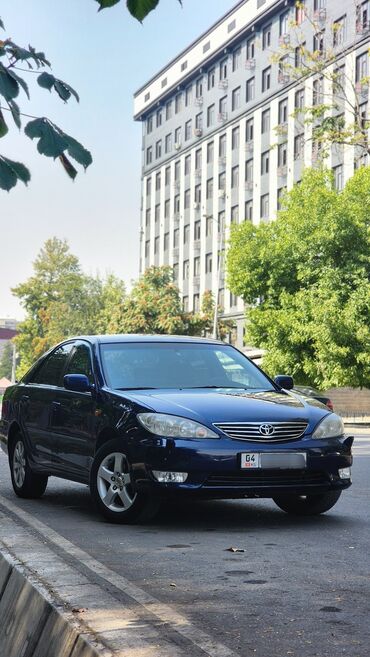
(137, 337)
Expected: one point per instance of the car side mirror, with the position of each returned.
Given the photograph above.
(284, 381)
(77, 382)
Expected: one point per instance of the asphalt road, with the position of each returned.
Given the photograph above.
(301, 587)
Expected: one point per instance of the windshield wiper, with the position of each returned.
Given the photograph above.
(138, 388)
(218, 387)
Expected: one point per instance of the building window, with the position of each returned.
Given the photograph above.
(188, 130)
(184, 65)
(156, 245)
(148, 186)
(235, 214)
(168, 110)
(223, 69)
(284, 23)
(221, 221)
(235, 99)
(235, 138)
(361, 66)
(167, 176)
(300, 12)
(338, 177)
(167, 208)
(185, 304)
(237, 56)
(176, 204)
(175, 272)
(147, 217)
(317, 91)
(176, 237)
(149, 155)
(196, 303)
(159, 118)
(222, 180)
(158, 181)
(209, 226)
(266, 79)
(178, 99)
(299, 55)
(250, 48)
(298, 146)
(210, 115)
(208, 263)
(166, 241)
(199, 121)
(223, 106)
(186, 234)
(249, 171)
(187, 199)
(187, 164)
(248, 210)
(206, 46)
(235, 177)
(299, 99)
(147, 248)
(266, 37)
(210, 152)
(188, 95)
(265, 121)
(319, 42)
(209, 192)
(249, 130)
(158, 149)
(265, 206)
(283, 111)
(197, 231)
(282, 154)
(177, 171)
(198, 159)
(178, 136)
(211, 76)
(168, 143)
(149, 125)
(280, 194)
(199, 88)
(265, 158)
(198, 194)
(362, 17)
(185, 270)
(222, 146)
(250, 90)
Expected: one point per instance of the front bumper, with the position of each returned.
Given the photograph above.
(214, 468)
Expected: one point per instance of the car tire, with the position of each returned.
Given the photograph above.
(26, 483)
(112, 490)
(307, 505)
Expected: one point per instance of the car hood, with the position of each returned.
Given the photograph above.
(228, 405)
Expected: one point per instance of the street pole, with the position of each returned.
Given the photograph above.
(219, 252)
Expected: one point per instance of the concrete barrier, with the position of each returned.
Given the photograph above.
(30, 625)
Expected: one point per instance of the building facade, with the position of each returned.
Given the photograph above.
(219, 142)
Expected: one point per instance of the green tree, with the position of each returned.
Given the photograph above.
(6, 361)
(138, 8)
(306, 280)
(60, 300)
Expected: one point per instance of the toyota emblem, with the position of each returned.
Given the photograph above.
(266, 429)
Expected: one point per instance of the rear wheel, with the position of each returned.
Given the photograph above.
(307, 505)
(25, 482)
(113, 490)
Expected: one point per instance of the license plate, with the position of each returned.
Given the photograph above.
(251, 460)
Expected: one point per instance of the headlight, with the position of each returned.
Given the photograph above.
(330, 427)
(171, 426)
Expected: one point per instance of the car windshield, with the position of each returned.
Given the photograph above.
(176, 365)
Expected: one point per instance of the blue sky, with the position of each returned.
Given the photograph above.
(106, 57)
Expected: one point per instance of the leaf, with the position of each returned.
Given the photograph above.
(21, 82)
(3, 126)
(64, 90)
(68, 166)
(51, 141)
(141, 8)
(9, 87)
(11, 172)
(78, 152)
(104, 4)
(2, 24)
(15, 113)
(22, 54)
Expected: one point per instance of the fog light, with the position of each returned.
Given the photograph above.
(170, 477)
(344, 473)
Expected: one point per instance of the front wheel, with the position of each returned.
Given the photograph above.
(112, 488)
(307, 505)
(26, 483)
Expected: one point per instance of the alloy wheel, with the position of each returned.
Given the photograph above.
(114, 483)
(19, 464)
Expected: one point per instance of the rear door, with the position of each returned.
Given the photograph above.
(74, 420)
(36, 404)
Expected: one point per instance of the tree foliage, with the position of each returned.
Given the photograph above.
(306, 279)
(338, 93)
(138, 8)
(6, 361)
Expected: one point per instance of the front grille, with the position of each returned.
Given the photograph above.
(272, 478)
(280, 431)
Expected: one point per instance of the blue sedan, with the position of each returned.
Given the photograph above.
(139, 418)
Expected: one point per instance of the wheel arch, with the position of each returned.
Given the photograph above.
(106, 434)
(13, 431)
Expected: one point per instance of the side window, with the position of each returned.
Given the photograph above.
(80, 362)
(52, 368)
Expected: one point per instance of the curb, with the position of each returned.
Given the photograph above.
(32, 625)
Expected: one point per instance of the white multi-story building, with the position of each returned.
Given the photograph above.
(209, 123)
